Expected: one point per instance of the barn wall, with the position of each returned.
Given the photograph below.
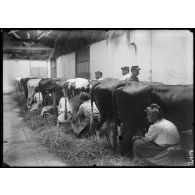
(66, 66)
(130, 49)
(163, 55)
(13, 69)
(172, 57)
(49, 68)
(22, 68)
(38, 68)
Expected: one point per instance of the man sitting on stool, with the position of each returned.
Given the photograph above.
(38, 99)
(160, 146)
(47, 104)
(81, 125)
(62, 108)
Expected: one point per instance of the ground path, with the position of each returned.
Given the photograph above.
(19, 147)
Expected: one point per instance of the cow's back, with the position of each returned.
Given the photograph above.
(177, 104)
(103, 97)
(131, 101)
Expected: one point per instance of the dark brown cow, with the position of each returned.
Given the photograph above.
(131, 100)
(101, 94)
(46, 83)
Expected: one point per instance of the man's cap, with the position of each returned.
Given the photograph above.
(125, 68)
(99, 73)
(135, 68)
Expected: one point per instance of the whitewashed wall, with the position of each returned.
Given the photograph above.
(172, 57)
(163, 55)
(49, 68)
(19, 68)
(38, 68)
(13, 69)
(66, 66)
(110, 55)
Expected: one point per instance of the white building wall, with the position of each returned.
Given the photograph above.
(110, 55)
(38, 68)
(66, 66)
(143, 57)
(13, 69)
(172, 57)
(49, 68)
(163, 56)
(100, 59)
(21, 68)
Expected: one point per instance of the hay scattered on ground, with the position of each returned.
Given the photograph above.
(62, 142)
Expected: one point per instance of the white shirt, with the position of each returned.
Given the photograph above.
(38, 97)
(100, 79)
(85, 109)
(126, 77)
(61, 107)
(163, 132)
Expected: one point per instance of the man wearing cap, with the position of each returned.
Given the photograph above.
(125, 73)
(134, 73)
(98, 75)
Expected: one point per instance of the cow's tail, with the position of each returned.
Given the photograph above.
(115, 133)
(91, 124)
(66, 117)
(66, 96)
(91, 116)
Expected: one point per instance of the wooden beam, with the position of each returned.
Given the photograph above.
(11, 48)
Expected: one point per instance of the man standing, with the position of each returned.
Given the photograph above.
(98, 75)
(125, 73)
(134, 73)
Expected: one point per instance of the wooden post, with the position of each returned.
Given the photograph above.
(65, 115)
(54, 103)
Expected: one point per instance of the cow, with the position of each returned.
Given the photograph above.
(31, 85)
(44, 84)
(131, 100)
(72, 89)
(101, 94)
(58, 85)
(23, 83)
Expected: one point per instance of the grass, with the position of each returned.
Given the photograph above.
(62, 142)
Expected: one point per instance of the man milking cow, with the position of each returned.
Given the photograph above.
(37, 100)
(47, 103)
(161, 144)
(80, 125)
(64, 111)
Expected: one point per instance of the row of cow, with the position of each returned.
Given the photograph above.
(121, 104)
